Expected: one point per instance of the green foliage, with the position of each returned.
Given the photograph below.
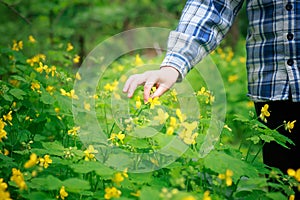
(42, 156)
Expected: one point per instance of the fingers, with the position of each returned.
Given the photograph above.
(147, 89)
(132, 83)
(160, 90)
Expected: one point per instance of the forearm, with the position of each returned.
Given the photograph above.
(201, 28)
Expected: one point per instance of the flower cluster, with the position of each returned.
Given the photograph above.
(119, 177)
(112, 192)
(18, 178)
(34, 160)
(89, 153)
(227, 177)
(4, 195)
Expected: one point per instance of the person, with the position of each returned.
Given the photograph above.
(273, 61)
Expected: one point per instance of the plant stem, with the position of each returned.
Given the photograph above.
(258, 152)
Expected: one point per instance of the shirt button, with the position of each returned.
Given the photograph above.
(290, 36)
(290, 62)
(289, 7)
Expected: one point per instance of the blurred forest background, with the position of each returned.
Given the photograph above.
(85, 23)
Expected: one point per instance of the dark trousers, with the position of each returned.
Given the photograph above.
(275, 155)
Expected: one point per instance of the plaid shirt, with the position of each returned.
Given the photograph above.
(273, 42)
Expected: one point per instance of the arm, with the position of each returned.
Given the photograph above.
(201, 28)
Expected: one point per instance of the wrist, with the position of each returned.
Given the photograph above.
(171, 70)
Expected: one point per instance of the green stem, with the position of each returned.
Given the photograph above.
(248, 152)
(258, 152)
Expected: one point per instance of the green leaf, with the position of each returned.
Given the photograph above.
(54, 148)
(18, 93)
(8, 98)
(47, 183)
(86, 167)
(276, 195)
(19, 78)
(267, 138)
(76, 185)
(46, 98)
(255, 139)
(38, 196)
(149, 193)
(219, 161)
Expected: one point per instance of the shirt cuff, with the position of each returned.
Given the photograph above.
(177, 61)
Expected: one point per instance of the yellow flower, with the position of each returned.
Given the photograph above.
(295, 174)
(112, 192)
(17, 46)
(162, 116)
(73, 95)
(50, 89)
(289, 125)
(206, 195)
(51, 70)
(74, 131)
(3, 133)
(77, 76)
(76, 59)
(6, 152)
(111, 87)
(45, 161)
(187, 134)
(227, 177)
(181, 116)
(36, 59)
(31, 39)
(35, 86)
(32, 161)
(232, 78)
(118, 178)
(174, 94)
(190, 197)
(62, 192)
(170, 130)
(4, 195)
(69, 47)
(87, 106)
(64, 93)
(264, 113)
(18, 178)
(8, 117)
(138, 102)
(242, 59)
(138, 60)
(292, 197)
(153, 102)
(120, 136)
(89, 153)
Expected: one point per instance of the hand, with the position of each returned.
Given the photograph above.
(164, 79)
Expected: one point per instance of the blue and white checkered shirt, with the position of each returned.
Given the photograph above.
(273, 42)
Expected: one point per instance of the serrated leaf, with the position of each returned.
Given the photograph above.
(7, 97)
(18, 93)
(219, 161)
(255, 139)
(54, 148)
(267, 138)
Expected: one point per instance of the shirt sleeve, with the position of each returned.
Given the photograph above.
(202, 26)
